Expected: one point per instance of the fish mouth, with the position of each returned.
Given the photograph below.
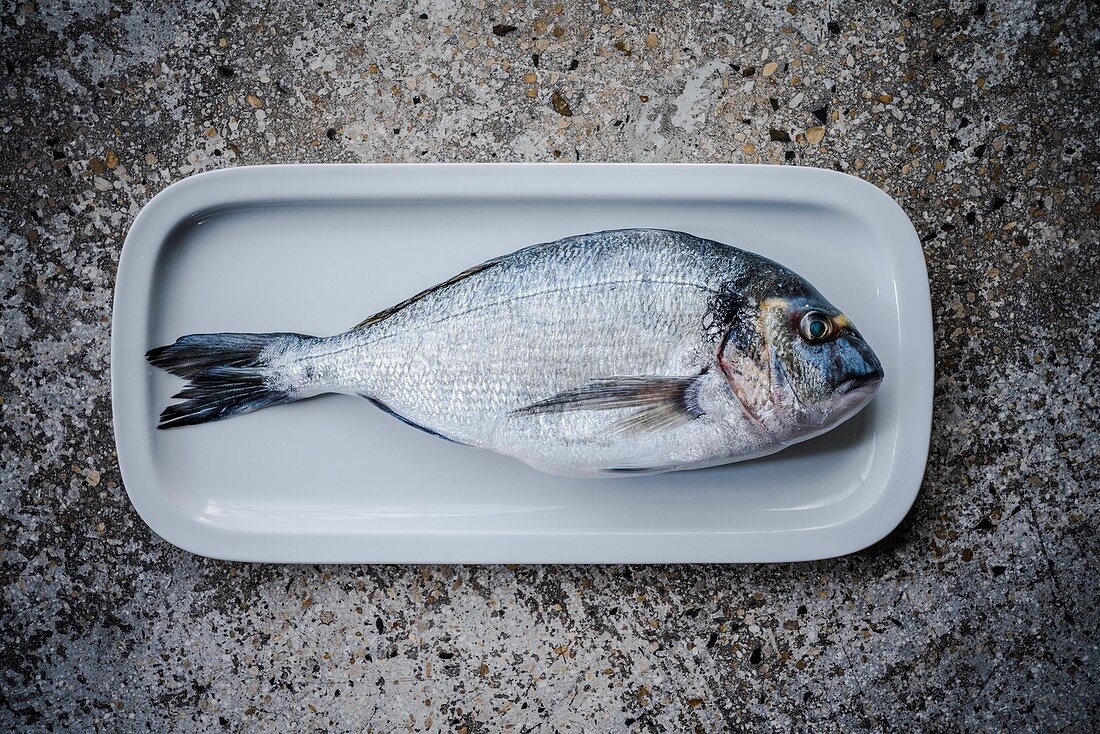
(868, 382)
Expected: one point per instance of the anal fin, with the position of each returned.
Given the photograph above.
(390, 411)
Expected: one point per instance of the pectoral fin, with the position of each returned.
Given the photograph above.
(665, 402)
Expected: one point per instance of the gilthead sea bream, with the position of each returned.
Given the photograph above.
(618, 352)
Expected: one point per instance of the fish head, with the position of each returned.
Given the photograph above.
(801, 368)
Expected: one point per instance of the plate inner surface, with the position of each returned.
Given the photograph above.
(337, 464)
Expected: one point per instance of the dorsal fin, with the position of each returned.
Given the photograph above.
(386, 313)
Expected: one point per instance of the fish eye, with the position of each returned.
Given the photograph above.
(817, 327)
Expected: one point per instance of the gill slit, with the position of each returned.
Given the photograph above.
(728, 371)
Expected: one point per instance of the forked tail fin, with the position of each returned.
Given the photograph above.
(228, 374)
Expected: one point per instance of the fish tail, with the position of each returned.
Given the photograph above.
(230, 374)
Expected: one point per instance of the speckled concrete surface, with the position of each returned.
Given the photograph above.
(978, 613)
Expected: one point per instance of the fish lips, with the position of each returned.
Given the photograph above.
(861, 384)
(864, 371)
(853, 394)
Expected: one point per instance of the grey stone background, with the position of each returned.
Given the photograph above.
(978, 613)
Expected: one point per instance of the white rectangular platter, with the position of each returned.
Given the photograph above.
(315, 249)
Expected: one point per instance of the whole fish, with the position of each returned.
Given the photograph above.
(618, 352)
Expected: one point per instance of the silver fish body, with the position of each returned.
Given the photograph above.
(626, 351)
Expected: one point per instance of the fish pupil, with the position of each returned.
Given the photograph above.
(817, 328)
